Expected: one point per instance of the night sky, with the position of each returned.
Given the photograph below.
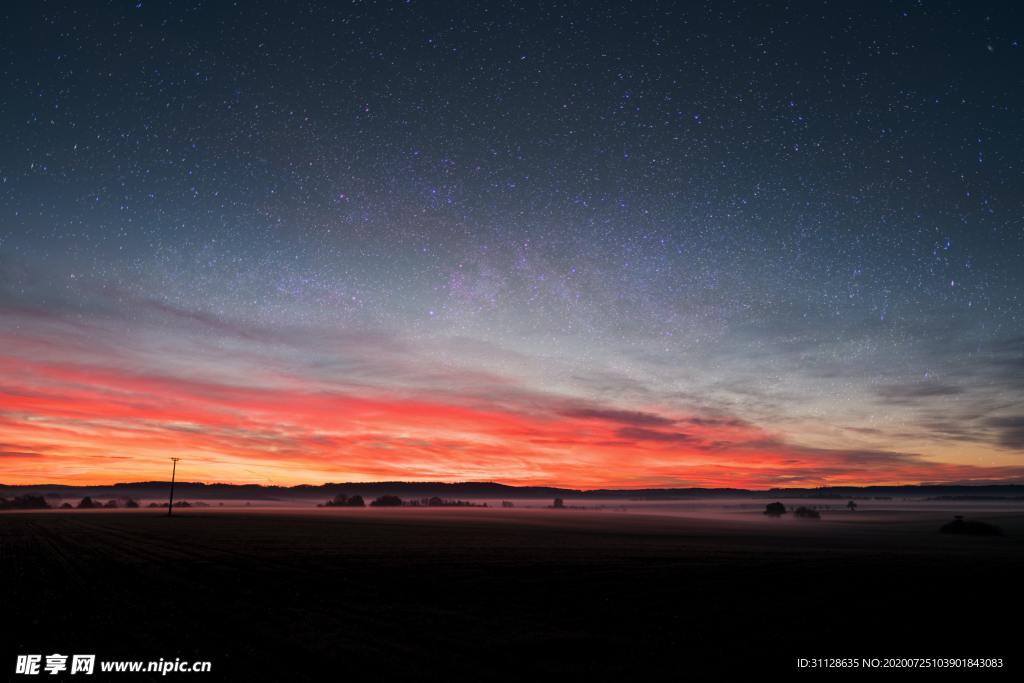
(624, 244)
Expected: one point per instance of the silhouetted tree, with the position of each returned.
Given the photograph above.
(87, 503)
(111, 503)
(807, 513)
(65, 506)
(775, 509)
(26, 502)
(131, 503)
(559, 503)
(341, 500)
(852, 506)
(386, 501)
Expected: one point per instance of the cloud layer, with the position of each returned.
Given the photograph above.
(111, 396)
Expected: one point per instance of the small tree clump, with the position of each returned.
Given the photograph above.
(343, 501)
(386, 501)
(26, 502)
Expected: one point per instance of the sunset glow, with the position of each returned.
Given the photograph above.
(84, 404)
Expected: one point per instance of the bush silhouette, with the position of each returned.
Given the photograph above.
(386, 501)
(341, 500)
(807, 513)
(774, 509)
(959, 525)
(439, 502)
(26, 502)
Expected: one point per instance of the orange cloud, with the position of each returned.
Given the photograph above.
(63, 421)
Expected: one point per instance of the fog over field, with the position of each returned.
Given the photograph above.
(871, 520)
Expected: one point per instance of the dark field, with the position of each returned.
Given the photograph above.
(493, 594)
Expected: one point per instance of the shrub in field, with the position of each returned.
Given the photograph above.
(959, 525)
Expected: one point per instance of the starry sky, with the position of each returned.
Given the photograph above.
(574, 243)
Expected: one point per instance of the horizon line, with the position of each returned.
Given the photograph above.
(978, 484)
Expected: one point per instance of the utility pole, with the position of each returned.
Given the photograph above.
(170, 501)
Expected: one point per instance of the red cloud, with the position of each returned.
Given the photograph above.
(93, 424)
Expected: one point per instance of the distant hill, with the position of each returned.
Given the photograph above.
(491, 490)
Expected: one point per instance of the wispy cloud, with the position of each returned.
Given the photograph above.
(628, 417)
(1009, 431)
(111, 394)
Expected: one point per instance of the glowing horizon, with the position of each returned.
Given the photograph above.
(99, 401)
